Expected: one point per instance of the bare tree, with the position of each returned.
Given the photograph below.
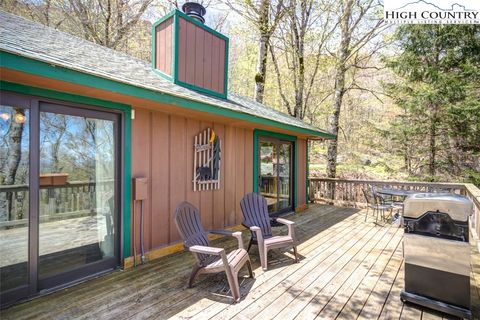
(116, 24)
(265, 15)
(358, 27)
(106, 22)
(302, 37)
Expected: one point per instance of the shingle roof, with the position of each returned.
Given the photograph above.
(32, 40)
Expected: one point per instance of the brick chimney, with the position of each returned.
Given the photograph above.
(189, 53)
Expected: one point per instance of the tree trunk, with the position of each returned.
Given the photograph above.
(341, 69)
(261, 70)
(298, 111)
(433, 144)
(11, 167)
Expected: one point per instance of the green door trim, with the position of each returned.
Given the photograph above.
(126, 121)
(257, 133)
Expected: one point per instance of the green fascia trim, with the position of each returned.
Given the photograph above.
(200, 89)
(163, 75)
(225, 79)
(43, 69)
(127, 147)
(257, 133)
(175, 45)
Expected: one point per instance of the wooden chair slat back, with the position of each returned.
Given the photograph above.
(189, 225)
(255, 213)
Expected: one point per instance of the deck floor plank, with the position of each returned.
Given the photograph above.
(383, 250)
(282, 277)
(206, 286)
(315, 267)
(336, 301)
(310, 247)
(327, 282)
(349, 269)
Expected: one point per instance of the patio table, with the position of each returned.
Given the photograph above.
(397, 193)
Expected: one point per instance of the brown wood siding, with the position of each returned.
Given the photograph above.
(182, 51)
(302, 172)
(162, 146)
(163, 46)
(201, 57)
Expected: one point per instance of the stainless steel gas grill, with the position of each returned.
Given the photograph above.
(437, 252)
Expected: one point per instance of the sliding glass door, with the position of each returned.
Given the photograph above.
(60, 190)
(275, 179)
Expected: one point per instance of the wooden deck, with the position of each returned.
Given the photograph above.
(349, 269)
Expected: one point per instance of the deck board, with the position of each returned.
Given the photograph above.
(348, 269)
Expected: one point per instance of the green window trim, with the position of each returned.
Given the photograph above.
(257, 133)
(44, 69)
(127, 147)
(176, 15)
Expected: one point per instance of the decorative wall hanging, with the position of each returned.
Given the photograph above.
(206, 161)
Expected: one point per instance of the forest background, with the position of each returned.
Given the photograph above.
(404, 101)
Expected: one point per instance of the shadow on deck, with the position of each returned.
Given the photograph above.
(349, 269)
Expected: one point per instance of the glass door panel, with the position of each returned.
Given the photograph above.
(77, 192)
(284, 177)
(14, 196)
(275, 179)
(268, 174)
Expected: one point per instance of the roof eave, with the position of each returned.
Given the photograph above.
(36, 66)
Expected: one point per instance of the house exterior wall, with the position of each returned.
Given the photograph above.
(162, 151)
(146, 135)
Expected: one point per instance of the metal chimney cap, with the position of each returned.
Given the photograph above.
(194, 10)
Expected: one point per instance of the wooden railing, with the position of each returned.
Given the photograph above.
(348, 192)
(74, 199)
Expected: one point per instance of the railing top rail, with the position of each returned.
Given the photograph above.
(70, 184)
(470, 189)
(393, 182)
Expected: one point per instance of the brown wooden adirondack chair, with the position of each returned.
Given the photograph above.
(210, 259)
(256, 218)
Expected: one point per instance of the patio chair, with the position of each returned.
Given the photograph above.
(388, 200)
(210, 259)
(256, 218)
(375, 203)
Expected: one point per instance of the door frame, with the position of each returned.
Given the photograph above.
(257, 134)
(35, 96)
(76, 110)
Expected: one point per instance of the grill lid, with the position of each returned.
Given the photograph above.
(459, 208)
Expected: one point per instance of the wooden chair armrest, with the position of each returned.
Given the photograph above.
(212, 251)
(236, 234)
(285, 221)
(207, 250)
(258, 233)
